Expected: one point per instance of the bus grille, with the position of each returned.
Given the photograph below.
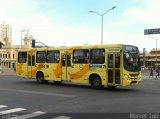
(133, 82)
(133, 75)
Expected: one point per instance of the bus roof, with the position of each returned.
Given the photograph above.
(76, 47)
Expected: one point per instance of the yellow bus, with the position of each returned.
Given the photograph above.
(97, 65)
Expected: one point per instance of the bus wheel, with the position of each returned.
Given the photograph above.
(40, 78)
(96, 82)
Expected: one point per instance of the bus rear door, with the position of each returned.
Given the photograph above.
(113, 69)
(66, 66)
(22, 64)
(31, 66)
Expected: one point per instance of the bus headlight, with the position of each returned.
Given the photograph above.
(140, 77)
(126, 76)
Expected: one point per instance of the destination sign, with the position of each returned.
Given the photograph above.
(152, 31)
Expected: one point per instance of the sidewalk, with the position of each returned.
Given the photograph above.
(7, 71)
(146, 74)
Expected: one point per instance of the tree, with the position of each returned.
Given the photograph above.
(1, 44)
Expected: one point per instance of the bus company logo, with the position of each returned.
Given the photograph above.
(80, 66)
(43, 66)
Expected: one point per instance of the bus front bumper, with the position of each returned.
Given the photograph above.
(129, 82)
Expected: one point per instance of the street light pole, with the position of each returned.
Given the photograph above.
(156, 46)
(101, 29)
(102, 21)
(21, 36)
(156, 50)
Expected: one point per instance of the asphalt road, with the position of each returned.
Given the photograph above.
(66, 100)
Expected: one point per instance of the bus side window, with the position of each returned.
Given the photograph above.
(97, 56)
(117, 60)
(63, 60)
(22, 57)
(110, 60)
(68, 60)
(31, 60)
(81, 56)
(41, 57)
(53, 56)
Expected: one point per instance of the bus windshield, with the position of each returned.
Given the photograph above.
(131, 59)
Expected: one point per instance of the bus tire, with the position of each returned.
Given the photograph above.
(96, 82)
(40, 78)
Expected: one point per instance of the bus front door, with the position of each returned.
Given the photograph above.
(31, 64)
(66, 66)
(114, 69)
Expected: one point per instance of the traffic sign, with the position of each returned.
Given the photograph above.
(152, 31)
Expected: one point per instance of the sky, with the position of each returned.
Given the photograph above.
(69, 22)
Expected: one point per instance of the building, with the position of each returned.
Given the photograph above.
(6, 34)
(27, 40)
(8, 57)
(151, 59)
(8, 52)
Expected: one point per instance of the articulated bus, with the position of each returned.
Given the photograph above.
(97, 66)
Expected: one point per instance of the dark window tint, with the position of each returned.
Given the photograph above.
(31, 60)
(41, 57)
(97, 56)
(66, 60)
(110, 60)
(81, 56)
(22, 57)
(117, 60)
(53, 56)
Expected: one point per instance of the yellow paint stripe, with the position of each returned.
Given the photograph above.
(80, 73)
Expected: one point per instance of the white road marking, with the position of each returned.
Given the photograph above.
(62, 117)
(26, 116)
(2, 106)
(11, 111)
